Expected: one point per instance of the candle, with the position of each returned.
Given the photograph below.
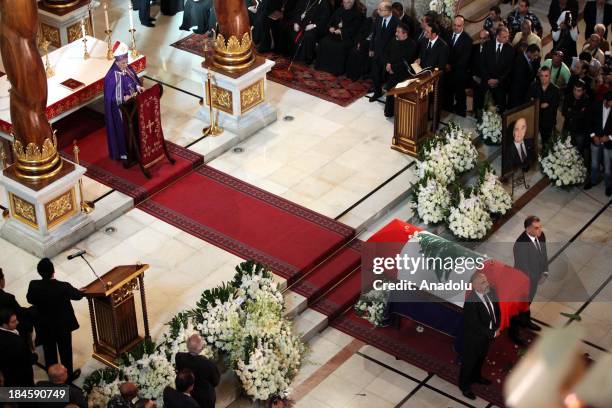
(131, 17)
(83, 28)
(106, 16)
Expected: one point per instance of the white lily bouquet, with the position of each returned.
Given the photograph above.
(446, 7)
(562, 164)
(437, 163)
(489, 126)
(152, 373)
(371, 306)
(459, 148)
(492, 193)
(469, 219)
(432, 200)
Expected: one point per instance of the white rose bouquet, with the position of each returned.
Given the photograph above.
(431, 200)
(437, 163)
(492, 193)
(469, 219)
(562, 163)
(459, 148)
(489, 126)
(371, 306)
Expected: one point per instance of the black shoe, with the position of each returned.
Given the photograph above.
(152, 19)
(199, 31)
(375, 97)
(148, 24)
(532, 326)
(184, 28)
(608, 191)
(469, 394)
(76, 374)
(483, 381)
(588, 185)
(518, 341)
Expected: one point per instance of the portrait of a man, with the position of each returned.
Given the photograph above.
(519, 147)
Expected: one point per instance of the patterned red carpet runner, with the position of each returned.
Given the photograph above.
(94, 156)
(339, 90)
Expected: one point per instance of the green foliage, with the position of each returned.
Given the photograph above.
(106, 375)
(143, 349)
(249, 268)
(178, 322)
(433, 246)
(223, 293)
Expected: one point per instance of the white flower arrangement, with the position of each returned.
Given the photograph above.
(438, 164)
(460, 150)
(446, 7)
(371, 306)
(469, 219)
(241, 322)
(490, 126)
(563, 164)
(152, 373)
(432, 201)
(493, 195)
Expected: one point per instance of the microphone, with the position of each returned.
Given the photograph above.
(77, 254)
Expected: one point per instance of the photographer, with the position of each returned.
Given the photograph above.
(564, 38)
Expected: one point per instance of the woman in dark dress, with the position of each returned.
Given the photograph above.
(335, 46)
(308, 25)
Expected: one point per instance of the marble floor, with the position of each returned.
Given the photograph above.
(327, 158)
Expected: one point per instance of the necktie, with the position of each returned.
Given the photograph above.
(498, 52)
(429, 46)
(384, 23)
(488, 305)
(523, 155)
(455, 38)
(537, 244)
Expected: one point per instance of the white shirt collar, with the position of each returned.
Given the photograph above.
(433, 41)
(10, 331)
(533, 239)
(498, 44)
(487, 305)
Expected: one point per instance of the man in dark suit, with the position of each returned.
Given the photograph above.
(206, 374)
(15, 358)
(406, 19)
(383, 31)
(181, 396)
(591, 10)
(521, 150)
(601, 142)
(434, 52)
(480, 326)
(498, 58)
(400, 53)
(548, 96)
(55, 320)
(476, 70)
(144, 12)
(523, 74)
(58, 377)
(530, 256)
(8, 301)
(557, 7)
(457, 68)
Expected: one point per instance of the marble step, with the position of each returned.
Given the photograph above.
(294, 304)
(309, 323)
(111, 207)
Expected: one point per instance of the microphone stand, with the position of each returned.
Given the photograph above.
(92, 269)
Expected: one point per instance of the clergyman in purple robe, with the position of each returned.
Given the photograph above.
(120, 84)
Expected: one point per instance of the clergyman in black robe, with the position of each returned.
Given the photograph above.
(309, 20)
(341, 32)
(358, 62)
(400, 53)
(197, 13)
(271, 28)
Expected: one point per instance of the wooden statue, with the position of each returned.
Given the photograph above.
(35, 148)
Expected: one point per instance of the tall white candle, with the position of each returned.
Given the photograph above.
(106, 16)
(131, 17)
(83, 28)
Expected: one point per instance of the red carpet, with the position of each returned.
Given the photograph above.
(248, 221)
(88, 127)
(339, 90)
(433, 351)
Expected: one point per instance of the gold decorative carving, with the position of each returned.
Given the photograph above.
(51, 34)
(221, 98)
(233, 45)
(74, 31)
(60, 208)
(252, 96)
(124, 292)
(60, 4)
(32, 153)
(23, 211)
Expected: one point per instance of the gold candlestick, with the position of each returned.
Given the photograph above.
(85, 52)
(133, 49)
(213, 129)
(86, 206)
(48, 68)
(109, 49)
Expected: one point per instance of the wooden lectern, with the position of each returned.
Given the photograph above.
(112, 310)
(412, 105)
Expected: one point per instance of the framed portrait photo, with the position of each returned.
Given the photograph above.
(520, 138)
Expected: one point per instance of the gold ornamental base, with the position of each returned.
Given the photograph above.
(233, 55)
(33, 163)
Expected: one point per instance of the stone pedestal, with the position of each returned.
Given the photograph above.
(48, 220)
(61, 26)
(240, 99)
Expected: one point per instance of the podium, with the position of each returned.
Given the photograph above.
(412, 106)
(112, 310)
